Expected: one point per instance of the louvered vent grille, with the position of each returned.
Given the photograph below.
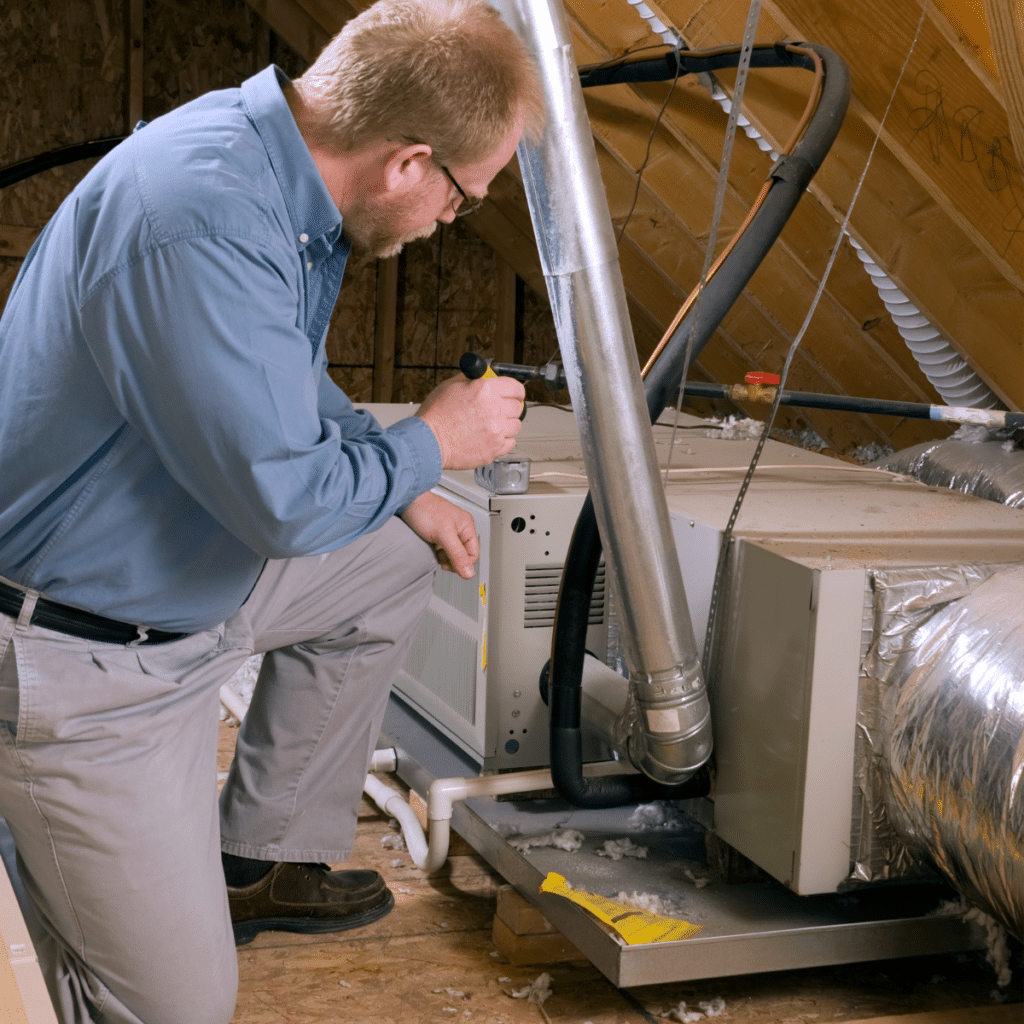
(542, 594)
(443, 659)
(462, 595)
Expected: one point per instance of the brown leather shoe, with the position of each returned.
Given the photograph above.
(307, 898)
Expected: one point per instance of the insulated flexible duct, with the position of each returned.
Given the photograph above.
(985, 469)
(953, 738)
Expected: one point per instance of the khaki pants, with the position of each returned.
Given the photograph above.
(108, 773)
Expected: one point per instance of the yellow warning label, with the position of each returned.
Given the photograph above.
(483, 648)
(637, 927)
(483, 594)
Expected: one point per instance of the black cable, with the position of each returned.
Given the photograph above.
(57, 158)
(688, 62)
(842, 403)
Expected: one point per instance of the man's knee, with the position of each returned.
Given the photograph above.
(156, 989)
(212, 1002)
(197, 988)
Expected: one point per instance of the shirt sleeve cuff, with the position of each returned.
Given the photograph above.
(424, 455)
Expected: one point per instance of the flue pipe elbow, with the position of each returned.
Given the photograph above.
(670, 727)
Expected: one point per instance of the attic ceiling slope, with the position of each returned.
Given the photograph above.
(669, 224)
(942, 209)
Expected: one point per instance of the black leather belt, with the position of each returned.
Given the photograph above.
(76, 622)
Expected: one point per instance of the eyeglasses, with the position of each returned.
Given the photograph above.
(468, 205)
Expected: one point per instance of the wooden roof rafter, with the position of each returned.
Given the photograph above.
(942, 237)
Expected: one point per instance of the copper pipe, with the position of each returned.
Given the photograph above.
(798, 131)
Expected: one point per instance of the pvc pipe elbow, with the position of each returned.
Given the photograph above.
(384, 760)
(234, 704)
(442, 794)
(393, 803)
(440, 835)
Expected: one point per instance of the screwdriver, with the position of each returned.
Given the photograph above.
(474, 366)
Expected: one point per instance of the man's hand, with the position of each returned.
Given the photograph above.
(474, 421)
(448, 528)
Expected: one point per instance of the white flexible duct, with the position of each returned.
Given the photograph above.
(668, 35)
(950, 375)
(721, 97)
(954, 380)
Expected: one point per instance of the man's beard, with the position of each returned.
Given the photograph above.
(371, 224)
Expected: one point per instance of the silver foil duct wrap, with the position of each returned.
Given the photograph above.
(943, 720)
(981, 468)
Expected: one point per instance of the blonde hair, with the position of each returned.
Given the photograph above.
(448, 73)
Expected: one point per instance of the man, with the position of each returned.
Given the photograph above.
(182, 485)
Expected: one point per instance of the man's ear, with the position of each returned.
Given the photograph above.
(407, 167)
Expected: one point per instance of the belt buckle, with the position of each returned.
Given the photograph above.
(143, 636)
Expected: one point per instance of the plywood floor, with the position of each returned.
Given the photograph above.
(432, 959)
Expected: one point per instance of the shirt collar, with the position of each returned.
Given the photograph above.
(310, 208)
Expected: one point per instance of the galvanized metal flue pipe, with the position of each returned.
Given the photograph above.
(670, 738)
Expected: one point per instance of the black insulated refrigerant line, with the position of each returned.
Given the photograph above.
(996, 418)
(790, 176)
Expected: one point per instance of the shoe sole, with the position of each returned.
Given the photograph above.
(246, 931)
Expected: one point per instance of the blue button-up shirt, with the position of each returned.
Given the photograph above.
(167, 422)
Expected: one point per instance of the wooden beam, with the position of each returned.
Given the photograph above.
(956, 283)
(384, 330)
(968, 21)
(503, 222)
(261, 43)
(505, 331)
(946, 123)
(331, 15)
(1006, 25)
(16, 240)
(136, 80)
(294, 25)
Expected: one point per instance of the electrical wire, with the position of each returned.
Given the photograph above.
(647, 154)
(783, 468)
(742, 71)
(616, 62)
